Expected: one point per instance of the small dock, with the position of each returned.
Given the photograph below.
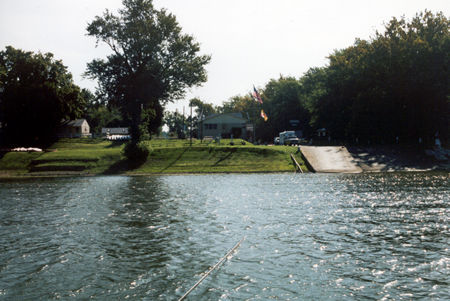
(331, 159)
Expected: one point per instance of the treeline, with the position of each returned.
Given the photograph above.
(394, 87)
(37, 93)
(152, 63)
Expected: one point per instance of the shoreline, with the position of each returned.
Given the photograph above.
(68, 175)
(82, 158)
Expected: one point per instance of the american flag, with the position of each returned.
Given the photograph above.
(256, 95)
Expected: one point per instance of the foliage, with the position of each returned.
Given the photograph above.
(36, 93)
(136, 152)
(283, 103)
(395, 85)
(100, 115)
(152, 62)
(202, 109)
(176, 123)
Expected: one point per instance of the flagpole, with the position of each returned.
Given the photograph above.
(258, 98)
(254, 120)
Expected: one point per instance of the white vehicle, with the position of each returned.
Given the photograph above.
(288, 138)
(276, 140)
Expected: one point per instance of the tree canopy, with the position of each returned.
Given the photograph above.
(152, 62)
(394, 85)
(36, 93)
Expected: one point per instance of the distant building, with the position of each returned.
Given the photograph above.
(116, 133)
(226, 126)
(74, 129)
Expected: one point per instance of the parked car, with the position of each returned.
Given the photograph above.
(288, 138)
(303, 141)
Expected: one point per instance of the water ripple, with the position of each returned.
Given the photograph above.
(308, 237)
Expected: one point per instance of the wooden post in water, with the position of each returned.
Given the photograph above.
(296, 163)
(213, 268)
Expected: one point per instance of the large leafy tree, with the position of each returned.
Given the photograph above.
(152, 62)
(283, 103)
(395, 85)
(36, 93)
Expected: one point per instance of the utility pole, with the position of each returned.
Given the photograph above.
(191, 124)
(184, 126)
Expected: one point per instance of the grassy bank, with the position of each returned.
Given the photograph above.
(96, 156)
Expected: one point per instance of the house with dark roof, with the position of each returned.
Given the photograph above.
(74, 129)
(120, 133)
(227, 125)
(115, 131)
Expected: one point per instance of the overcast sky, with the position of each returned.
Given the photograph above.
(250, 41)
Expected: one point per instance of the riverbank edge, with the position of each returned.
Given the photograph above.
(68, 175)
(25, 176)
(369, 159)
(83, 157)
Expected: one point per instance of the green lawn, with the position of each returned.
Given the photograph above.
(96, 156)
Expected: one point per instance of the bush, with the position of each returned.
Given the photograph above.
(136, 152)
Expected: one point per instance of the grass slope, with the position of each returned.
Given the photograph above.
(95, 156)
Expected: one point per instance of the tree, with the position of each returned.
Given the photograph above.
(152, 62)
(99, 115)
(283, 103)
(36, 93)
(395, 85)
(176, 123)
(313, 89)
(202, 109)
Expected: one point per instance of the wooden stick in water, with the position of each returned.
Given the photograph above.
(212, 269)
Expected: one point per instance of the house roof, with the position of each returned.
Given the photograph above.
(118, 130)
(76, 122)
(235, 115)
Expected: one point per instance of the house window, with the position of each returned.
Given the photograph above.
(211, 126)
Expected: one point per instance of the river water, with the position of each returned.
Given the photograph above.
(307, 237)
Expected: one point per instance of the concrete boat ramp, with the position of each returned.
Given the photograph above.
(329, 159)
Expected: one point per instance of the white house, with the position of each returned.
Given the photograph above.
(225, 126)
(74, 129)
